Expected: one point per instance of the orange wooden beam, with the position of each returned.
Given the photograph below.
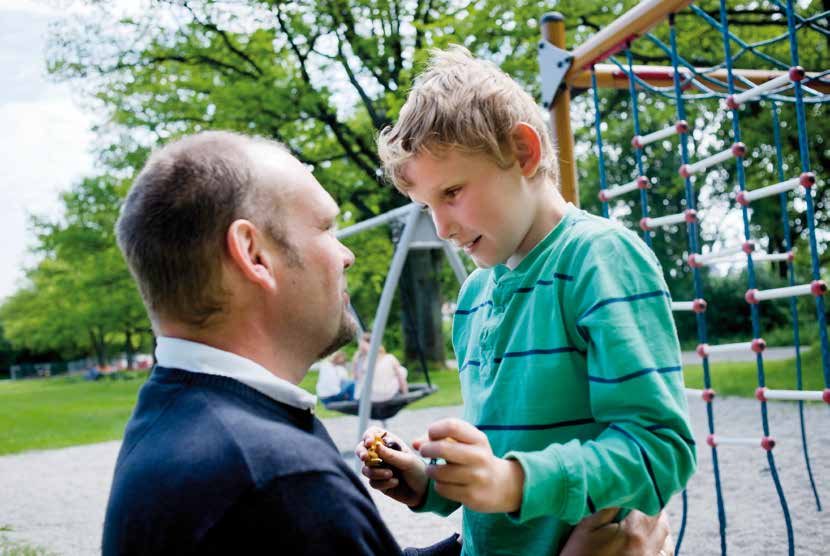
(610, 76)
(613, 38)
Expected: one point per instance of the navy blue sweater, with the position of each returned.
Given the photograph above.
(211, 466)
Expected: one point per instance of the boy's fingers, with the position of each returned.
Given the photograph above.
(450, 451)
(456, 429)
(449, 474)
(451, 491)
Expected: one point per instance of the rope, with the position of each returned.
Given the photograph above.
(811, 217)
(632, 92)
(785, 224)
(700, 318)
(686, 76)
(754, 309)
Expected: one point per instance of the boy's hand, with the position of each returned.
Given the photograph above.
(636, 535)
(471, 475)
(408, 482)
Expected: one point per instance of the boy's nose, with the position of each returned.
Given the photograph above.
(443, 225)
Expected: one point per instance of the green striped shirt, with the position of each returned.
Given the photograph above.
(570, 364)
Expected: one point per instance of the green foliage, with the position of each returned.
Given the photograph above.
(325, 77)
(80, 297)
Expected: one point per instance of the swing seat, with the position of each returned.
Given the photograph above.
(381, 411)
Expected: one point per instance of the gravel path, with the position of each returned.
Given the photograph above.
(55, 499)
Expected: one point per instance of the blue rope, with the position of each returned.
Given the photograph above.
(598, 115)
(638, 151)
(805, 167)
(698, 282)
(785, 224)
(754, 310)
(668, 94)
(723, 27)
(804, 21)
(683, 516)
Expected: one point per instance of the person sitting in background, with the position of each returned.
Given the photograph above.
(333, 383)
(390, 375)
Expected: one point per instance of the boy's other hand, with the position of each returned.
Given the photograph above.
(472, 474)
(636, 535)
(408, 482)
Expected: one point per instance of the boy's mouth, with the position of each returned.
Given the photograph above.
(468, 247)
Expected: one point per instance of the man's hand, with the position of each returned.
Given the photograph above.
(408, 483)
(472, 474)
(636, 535)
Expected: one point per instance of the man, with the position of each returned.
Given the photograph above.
(231, 242)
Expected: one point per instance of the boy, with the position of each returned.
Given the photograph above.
(567, 351)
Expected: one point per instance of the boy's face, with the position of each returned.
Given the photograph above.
(482, 208)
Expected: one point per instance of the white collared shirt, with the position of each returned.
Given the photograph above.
(175, 353)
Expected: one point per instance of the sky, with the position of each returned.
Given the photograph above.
(45, 141)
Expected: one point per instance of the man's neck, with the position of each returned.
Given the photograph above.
(246, 341)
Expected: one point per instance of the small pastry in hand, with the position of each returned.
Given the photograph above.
(372, 457)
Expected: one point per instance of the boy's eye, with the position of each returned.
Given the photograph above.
(452, 193)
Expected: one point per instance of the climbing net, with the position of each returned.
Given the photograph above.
(787, 84)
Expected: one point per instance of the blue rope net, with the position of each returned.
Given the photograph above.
(692, 84)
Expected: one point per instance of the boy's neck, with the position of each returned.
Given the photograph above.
(550, 209)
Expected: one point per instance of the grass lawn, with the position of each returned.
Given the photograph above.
(741, 379)
(64, 411)
(68, 411)
(41, 414)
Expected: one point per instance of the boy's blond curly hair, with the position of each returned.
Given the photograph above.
(463, 103)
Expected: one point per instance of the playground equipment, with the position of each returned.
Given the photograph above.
(418, 232)
(681, 83)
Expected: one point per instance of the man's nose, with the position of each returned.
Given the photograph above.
(348, 259)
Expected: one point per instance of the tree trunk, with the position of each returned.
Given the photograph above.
(420, 293)
(129, 351)
(98, 346)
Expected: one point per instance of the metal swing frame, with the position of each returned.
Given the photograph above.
(418, 233)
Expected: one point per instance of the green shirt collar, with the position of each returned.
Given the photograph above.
(501, 272)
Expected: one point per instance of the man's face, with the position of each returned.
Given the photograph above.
(312, 290)
(474, 203)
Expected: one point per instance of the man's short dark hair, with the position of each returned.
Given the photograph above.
(175, 218)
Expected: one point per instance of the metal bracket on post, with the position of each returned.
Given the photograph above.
(554, 63)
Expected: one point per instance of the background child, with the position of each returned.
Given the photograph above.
(567, 350)
(333, 382)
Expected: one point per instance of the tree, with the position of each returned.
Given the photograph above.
(324, 77)
(80, 295)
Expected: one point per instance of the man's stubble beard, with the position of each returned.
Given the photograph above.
(346, 333)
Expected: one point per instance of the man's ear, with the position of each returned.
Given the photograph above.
(250, 255)
(527, 148)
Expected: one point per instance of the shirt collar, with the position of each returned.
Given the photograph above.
(195, 357)
(502, 272)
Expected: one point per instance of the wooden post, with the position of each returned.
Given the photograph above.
(553, 30)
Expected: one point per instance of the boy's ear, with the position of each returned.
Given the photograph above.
(250, 255)
(527, 148)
